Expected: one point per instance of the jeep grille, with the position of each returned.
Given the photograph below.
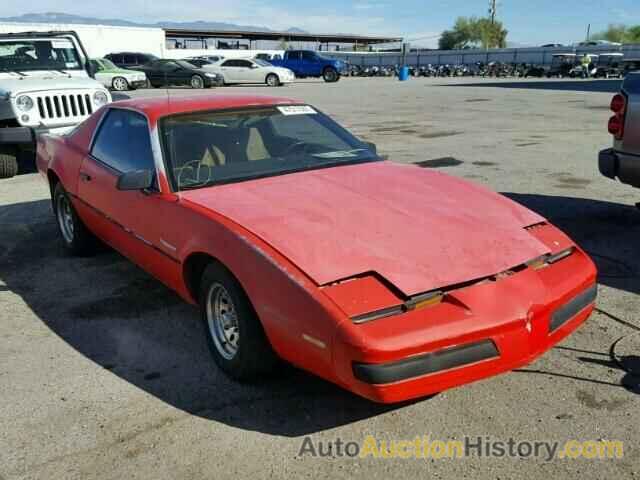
(64, 106)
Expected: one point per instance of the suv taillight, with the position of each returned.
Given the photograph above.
(616, 123)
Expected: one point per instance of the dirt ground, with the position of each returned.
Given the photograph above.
(104, 373)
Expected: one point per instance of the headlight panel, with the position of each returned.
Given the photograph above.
(100, 98)
(24, 103)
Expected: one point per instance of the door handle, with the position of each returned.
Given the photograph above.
(85, 177)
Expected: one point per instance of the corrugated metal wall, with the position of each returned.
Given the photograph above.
(538, 56)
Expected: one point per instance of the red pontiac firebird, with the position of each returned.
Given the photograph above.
(298, 242)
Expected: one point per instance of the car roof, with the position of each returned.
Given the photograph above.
(161, 106)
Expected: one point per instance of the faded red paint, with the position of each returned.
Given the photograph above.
(285, 238)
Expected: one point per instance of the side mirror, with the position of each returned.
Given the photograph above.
(92, 69)
(136, 180)
(371, 146)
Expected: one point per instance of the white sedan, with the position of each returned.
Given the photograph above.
(250, 70)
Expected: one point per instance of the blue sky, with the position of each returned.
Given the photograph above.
(528, 21)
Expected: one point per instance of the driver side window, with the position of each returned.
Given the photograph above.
(123, 142)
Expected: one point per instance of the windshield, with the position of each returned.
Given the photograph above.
(262, 63)
(38, 54)
(184, 64)
(208, 148)
(108, 64)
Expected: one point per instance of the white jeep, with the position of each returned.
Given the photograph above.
(46, 85)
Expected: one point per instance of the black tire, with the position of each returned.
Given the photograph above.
(197, 82)
(120, 84)
(81, 242)
(253, 355)
(330, 75)
(272, 80)
(8, 165)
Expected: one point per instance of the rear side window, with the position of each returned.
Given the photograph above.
(123, 142)
(309, 56)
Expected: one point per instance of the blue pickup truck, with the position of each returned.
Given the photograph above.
(307, 63)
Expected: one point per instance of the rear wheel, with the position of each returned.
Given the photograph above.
(330, 75)
(273, 80)
(197, 82)
(77, 239)
(120, 84)
(8, 165)
(235, 335)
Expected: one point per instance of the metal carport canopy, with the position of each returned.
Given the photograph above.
(290, 36)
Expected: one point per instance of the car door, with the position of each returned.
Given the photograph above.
(310, 63)
(246, 71)
(229, 69)
(161, 72)
(127, 220)
(293, 62)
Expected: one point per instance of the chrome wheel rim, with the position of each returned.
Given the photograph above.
(65, 218)
(222, 319)
(120, 84)
(272, 81)
(196, 82)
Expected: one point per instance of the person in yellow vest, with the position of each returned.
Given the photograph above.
(586, 63)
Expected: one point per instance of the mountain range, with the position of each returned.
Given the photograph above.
(56, 17)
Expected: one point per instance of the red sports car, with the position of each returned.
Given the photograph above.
(299, 243)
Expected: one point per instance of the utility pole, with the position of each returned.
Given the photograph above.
(493, 10)
(588, 32)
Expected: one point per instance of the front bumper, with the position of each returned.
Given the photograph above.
(624, 167)
(138, 83)
(17, 136)
(214, 82)
(480, 331)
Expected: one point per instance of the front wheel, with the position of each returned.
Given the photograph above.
(120, 84)
(77, 239)
(235, 336)
(8, 165)
(330, 75)
(273, 80)
(197, 82)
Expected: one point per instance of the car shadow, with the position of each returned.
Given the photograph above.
(609, 232)
(128, 323)
(603, 86)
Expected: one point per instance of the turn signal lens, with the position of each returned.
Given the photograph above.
(616, 126)
(618, 104)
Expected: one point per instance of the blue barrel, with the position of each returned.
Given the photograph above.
(404, 74)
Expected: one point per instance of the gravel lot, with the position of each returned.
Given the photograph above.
(104, 373)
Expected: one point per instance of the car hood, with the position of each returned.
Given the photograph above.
(12, 83)
(419, 229)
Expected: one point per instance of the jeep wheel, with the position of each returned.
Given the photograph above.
(120, 84)
(8, 165)
(330, 75)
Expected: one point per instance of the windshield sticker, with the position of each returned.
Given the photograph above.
(297, 110)
(71, 64)
(61, 44)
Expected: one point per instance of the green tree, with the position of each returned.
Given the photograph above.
(620, 33)
(473, 31)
